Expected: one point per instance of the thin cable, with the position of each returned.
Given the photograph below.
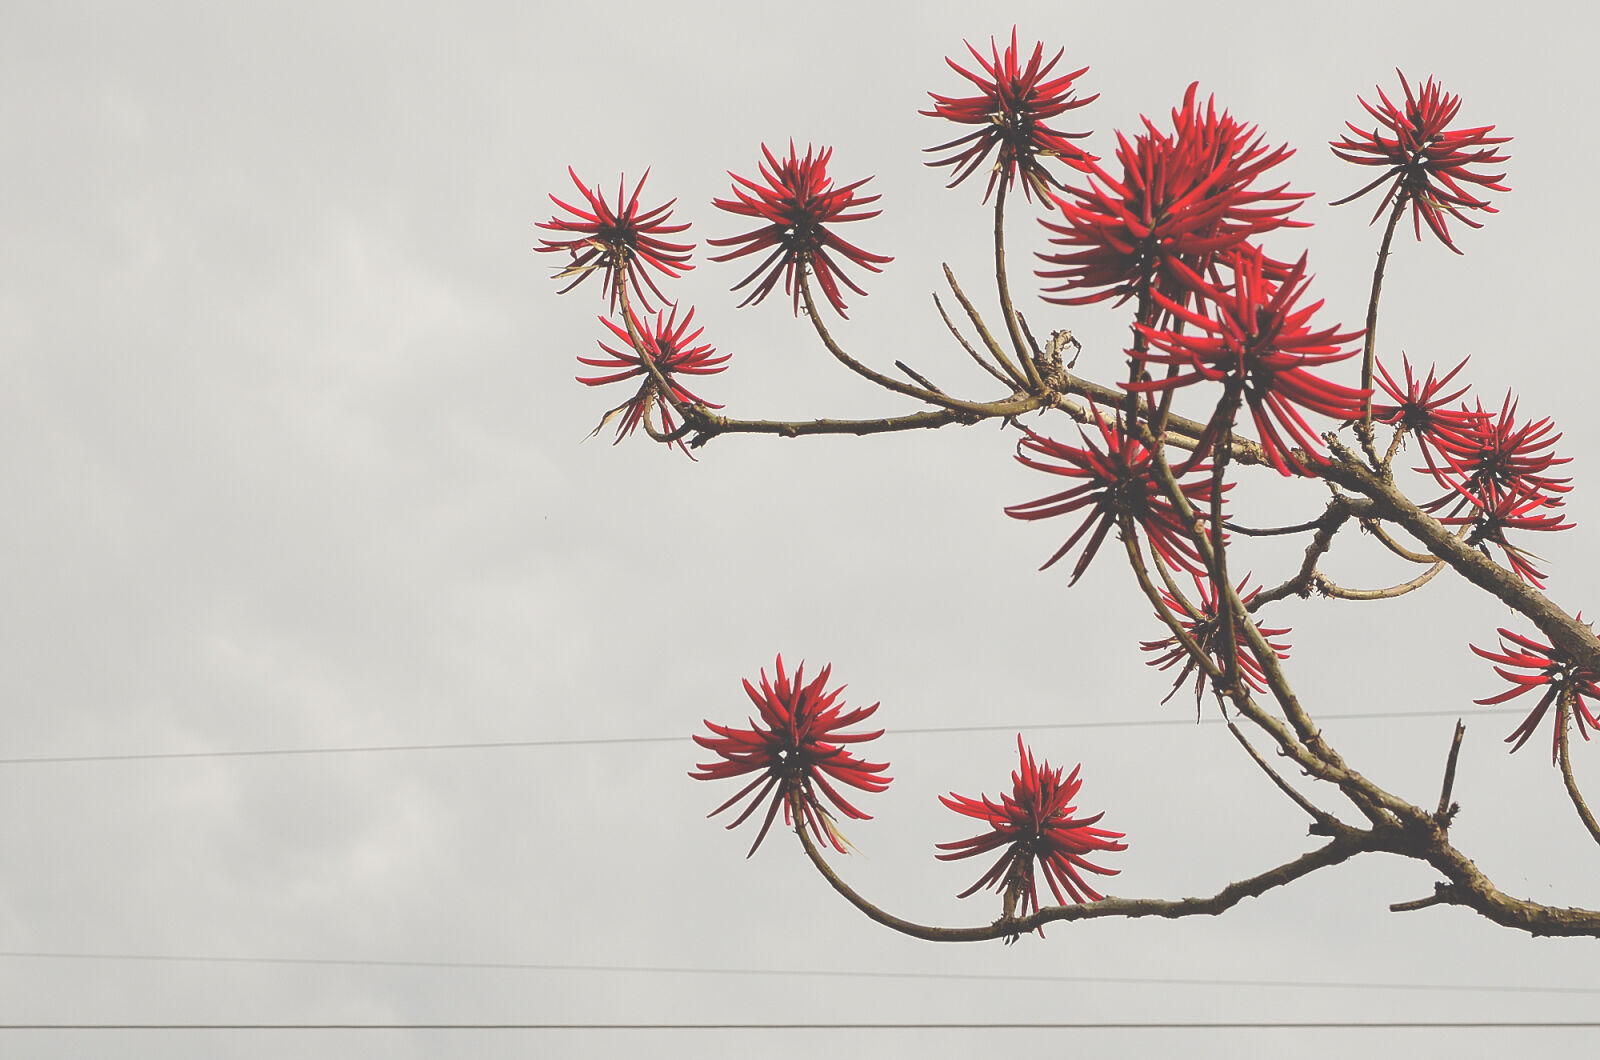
(1102, 1026)
(615, 740)
(806, 972)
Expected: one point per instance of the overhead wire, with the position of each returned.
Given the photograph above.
(1285, 1025)
(483, 745)
(831, 973)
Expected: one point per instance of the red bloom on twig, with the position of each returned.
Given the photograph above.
(1183, 197)
(1420, 406)
(1497, 476)
(1257, 343)
(1206, 631)
(1529, 664)
(1426, 162)
(615, 240)
(1511, 512)
(797, 747)
(1489, 457)
(797, 204)
(1118, 476)
(1011, 109)
(1032, 823)
(671, 346)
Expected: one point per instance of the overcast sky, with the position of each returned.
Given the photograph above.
(295, 459)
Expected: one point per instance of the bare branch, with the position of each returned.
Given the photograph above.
(965, 345)
(1001, 357)
(917, 377)
(1333, 517)
(1003, 288)
(1345, 845)
(1326, 823)
(1328, 588)
(1564, 732)
(1447, 809)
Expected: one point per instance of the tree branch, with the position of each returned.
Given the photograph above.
(1571, 782)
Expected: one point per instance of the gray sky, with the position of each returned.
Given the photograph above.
(296, 459)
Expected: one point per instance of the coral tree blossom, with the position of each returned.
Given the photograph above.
(1034, 823)
(1117, 478)
(1013, 103)
(797, 747)
(1497, 474)
(670, 345)
(1206, 632)
(1420, 406)
(1262, 347)
(1426, 163)
(796, 202)
(1528, 665)
(1183, 197)
(617, 240)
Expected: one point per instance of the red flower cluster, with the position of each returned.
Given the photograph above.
(1259, 346)
(671, 346)
(1420, 407)
(1528, 664)
(1497, 474)
(1011, 109)
(1034, 822)
(617, 240)
(796, 204)
(797, 747)
(1184, 197)
(1426, 162)
(1118, 476)
(1206, 631)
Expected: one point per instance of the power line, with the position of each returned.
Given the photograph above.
(281, 752)
(995, 1026)
(1309, 984)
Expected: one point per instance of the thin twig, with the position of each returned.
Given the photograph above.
(965, 345)
(916, 376)
(1447, 809)
(1364, 430)
(1002, 358)
(1337, 592)
(1274, 531)
(1345, 845)
(1375, 528)
(1571, 782)
(1326, 822)
(708, 425)
(1003, 288)
(1327, 524)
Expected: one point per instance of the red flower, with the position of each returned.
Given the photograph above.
(1489, 458)
(1513, 512)
(1427, 162)
(671, 346)
(1497, 476)
(1260, 346)
(1528, 664)
(1118, 476)
(796, 204)
(1420, 407)
(1034, 822)
(1011, 109)
(797, 746)
(613, 239)
(1206, 632)
(1183, 197)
